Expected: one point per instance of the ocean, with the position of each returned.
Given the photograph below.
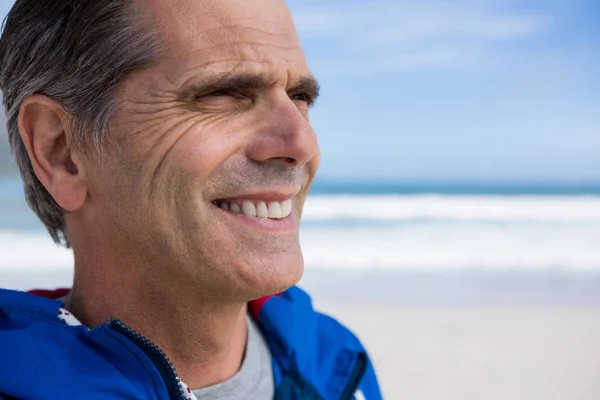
(410, 242)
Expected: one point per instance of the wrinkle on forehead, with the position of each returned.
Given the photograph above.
(203, 37)
(193, 23)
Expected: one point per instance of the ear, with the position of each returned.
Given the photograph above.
(44, 128)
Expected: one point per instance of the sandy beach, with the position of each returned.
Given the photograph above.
(480, 353)
(472, 336)
(459, 337)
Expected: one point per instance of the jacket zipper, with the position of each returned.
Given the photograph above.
(157, 356)
(356, 377)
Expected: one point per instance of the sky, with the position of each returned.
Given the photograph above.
(454, 91)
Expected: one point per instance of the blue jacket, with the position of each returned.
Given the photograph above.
(314, 357)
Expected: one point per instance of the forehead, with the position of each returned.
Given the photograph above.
(221, 35)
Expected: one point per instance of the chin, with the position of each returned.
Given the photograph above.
(273, 276)
(283, 284)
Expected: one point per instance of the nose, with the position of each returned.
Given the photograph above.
(286, 138)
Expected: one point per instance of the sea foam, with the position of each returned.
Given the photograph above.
(410, 232)
(545, 209)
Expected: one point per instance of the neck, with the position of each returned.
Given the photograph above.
(204, 338)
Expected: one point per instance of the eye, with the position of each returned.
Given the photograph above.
(224, 97)
(227, 99)
(299, 97)
(226, 93)
(303, 97)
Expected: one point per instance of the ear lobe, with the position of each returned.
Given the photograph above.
(44, 128)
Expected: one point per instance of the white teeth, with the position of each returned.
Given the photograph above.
(274, 210)
(261, 210)
(286, 208)
(248, 208)
(236, 208)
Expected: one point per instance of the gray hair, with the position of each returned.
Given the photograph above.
(76, 52)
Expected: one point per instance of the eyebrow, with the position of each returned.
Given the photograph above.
(305, 85)
(308, 86)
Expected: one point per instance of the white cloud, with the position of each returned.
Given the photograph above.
(413, 20)
(412, 34)
(449, 57)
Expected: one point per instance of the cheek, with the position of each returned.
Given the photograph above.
(313, 165)
(199, 154)
(205, 147)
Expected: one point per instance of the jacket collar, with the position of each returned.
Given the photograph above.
(45, 307)
(310, 345)
(305, 345)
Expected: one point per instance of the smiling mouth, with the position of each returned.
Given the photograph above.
(257, 208)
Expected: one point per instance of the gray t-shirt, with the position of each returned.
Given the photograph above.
(254, 380)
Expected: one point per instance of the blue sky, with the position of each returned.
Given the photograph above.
(433, 90)
(456, 90)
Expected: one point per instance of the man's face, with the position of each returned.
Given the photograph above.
(212, 153)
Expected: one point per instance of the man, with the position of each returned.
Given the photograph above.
(168, 143)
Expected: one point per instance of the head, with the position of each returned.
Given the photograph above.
(167, 140)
